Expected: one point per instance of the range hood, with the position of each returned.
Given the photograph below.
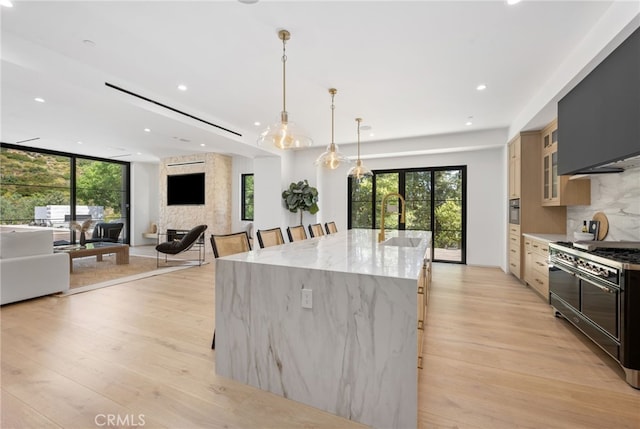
(598, 119)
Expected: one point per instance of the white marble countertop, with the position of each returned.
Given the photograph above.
(549, 238)
(353, 251)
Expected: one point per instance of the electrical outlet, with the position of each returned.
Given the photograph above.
(306, 298)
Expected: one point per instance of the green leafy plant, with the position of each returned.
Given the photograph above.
(301, 197)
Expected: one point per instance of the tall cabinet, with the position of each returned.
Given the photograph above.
(525, 176)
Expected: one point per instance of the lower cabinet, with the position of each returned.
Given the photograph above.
(536, 265)
(424, 282)
(514, 250)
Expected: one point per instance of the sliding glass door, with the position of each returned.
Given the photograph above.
(435, 201)
(50, 189)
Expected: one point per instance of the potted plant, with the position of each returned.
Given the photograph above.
(301, 197)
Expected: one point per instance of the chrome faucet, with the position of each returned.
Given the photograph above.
(382, 213)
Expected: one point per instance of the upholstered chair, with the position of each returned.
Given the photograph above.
(331, 227)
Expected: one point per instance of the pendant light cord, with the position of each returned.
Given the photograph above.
(284, 75)
(333, 108)
(357, 120)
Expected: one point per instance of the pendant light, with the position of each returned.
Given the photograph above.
(359, 172)
(331, 158)
(284, 134)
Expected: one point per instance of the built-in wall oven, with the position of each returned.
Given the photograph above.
(598, 291)
(514, 211)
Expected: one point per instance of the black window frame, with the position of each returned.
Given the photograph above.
(243, 197)
(73, 158)
(401, 185)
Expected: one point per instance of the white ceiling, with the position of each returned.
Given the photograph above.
(408, 68)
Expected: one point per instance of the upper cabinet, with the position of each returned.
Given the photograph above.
(559, 190)
(514, 168)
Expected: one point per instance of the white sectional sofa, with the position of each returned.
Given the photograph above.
(28, 266)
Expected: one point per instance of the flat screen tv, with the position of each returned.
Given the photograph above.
(185, 189)
(599, 119)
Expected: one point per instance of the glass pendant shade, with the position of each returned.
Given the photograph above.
(284, 134)
(359, 172)
(332, 158)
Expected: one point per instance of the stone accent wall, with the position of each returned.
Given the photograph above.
(216, 212)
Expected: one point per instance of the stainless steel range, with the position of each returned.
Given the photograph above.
(598, 291)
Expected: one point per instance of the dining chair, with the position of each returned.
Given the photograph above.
(316, 230)
(270, 237)
(228, 244)
(331, 227)
(296, 233)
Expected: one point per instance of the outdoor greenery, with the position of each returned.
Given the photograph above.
(446, 187)
(31, 179)
(301, 197)
(247, 197)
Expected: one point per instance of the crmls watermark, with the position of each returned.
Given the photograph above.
(119, 420)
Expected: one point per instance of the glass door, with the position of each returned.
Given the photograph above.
(435, 201)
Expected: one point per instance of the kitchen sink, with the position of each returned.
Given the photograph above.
(402, 242)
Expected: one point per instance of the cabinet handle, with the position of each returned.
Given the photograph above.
(539, 282)
(513, 265)
(535, 245)
(540, 264)
(513, 251)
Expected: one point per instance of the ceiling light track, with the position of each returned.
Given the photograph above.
(173, 109)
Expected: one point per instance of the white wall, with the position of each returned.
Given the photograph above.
(145, 204)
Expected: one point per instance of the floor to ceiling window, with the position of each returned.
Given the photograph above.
(435, 201)
(51, 189)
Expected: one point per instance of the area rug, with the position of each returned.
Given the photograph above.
(89, 274)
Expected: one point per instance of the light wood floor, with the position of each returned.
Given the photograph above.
(495, 358)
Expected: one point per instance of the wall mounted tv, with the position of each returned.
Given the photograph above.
(599, 119)
(185, 189)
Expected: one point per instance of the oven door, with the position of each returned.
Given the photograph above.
(564, 284)
(600, 303)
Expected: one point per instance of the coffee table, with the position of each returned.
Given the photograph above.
(95, 249)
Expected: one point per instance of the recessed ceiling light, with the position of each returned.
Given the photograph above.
(481, 87)
(89, 42)
(182, 87)
(147, 130)
(468, 123)
(248, 1)
(256, 123)
(138, 153)
(6, 3)
(512, 2)
(372, 134)
(39, 100)
(79, 142)
(202, 144)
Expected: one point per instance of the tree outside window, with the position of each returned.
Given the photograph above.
(246, 212)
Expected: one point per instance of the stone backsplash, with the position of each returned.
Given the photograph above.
(617, 195)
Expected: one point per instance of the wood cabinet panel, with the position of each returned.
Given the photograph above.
(559, 190)
(536, 266)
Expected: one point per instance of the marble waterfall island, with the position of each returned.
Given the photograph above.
(353, 353)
